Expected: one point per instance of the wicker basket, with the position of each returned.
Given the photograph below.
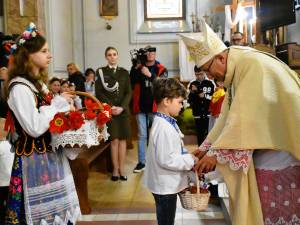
(197, 201)
(88, 135)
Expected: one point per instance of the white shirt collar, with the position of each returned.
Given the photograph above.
(112, 67)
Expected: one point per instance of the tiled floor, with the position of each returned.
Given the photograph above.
(130, 203)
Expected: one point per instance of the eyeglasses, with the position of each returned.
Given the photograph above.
(208, 68)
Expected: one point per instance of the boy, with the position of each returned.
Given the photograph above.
(201, 91)
(167, 161)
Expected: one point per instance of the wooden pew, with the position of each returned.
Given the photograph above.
(80, 169)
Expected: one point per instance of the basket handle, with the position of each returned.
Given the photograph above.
(197, 182)
(81, 93)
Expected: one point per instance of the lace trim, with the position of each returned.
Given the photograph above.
(236, 158)
(87, 135)
(204, 147)
(295, 220)
(69, 217)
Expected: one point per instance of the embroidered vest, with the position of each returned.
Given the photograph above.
(25, 144)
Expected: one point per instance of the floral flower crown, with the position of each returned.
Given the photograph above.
(30, 32)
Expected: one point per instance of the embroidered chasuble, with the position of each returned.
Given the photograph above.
(260, 111)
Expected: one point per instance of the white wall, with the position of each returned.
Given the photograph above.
(64, 34)
(293, 30)
(77, 33)
(97, 38)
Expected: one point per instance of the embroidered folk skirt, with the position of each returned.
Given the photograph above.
(42, 191)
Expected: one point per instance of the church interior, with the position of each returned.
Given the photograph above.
(79, 31)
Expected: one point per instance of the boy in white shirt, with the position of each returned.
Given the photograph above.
(168, 162)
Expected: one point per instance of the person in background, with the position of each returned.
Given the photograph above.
(237, 38)
(90, 81)
(42, 189)
(216, 104)
(6, 156)
(255, 141)
(201, 90)
(113, 87)
(142, 76)
(76, 77)
(54, 85)
(168, 162)
(76, 98)
(64, 86)
(6, 41)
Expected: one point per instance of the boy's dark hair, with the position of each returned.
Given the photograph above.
(167, 88)
(64, 81)
(197, 69)
(54, 79)
(88, 71)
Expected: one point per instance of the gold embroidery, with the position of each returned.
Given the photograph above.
(33, 147)
(198, 51)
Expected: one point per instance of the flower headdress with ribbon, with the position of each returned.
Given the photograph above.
(30, 32)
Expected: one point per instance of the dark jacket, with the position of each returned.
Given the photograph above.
(142, 87)
(79, 80)
(122, 96)
(200, 105)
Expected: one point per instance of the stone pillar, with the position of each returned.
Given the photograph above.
(33, 11)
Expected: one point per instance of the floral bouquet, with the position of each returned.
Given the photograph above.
(86, 126)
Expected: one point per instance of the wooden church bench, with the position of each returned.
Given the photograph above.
(80, 169)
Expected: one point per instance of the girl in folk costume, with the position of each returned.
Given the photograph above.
(41, 189)
(113, 87)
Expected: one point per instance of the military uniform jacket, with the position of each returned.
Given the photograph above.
(120, 97)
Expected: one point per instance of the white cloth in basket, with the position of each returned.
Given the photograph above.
(87, 135)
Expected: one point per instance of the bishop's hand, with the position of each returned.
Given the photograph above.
(206, 164)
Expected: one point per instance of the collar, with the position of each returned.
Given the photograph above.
(113, 67)
(169, 119)
(234, 55)
(172, 121)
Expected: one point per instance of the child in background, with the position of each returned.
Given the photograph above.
(64, 86)
(54, 86)
(90, 81)
(42, 189)
(77, 99)
(6, 156)
(168, 162)
(216, 104)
